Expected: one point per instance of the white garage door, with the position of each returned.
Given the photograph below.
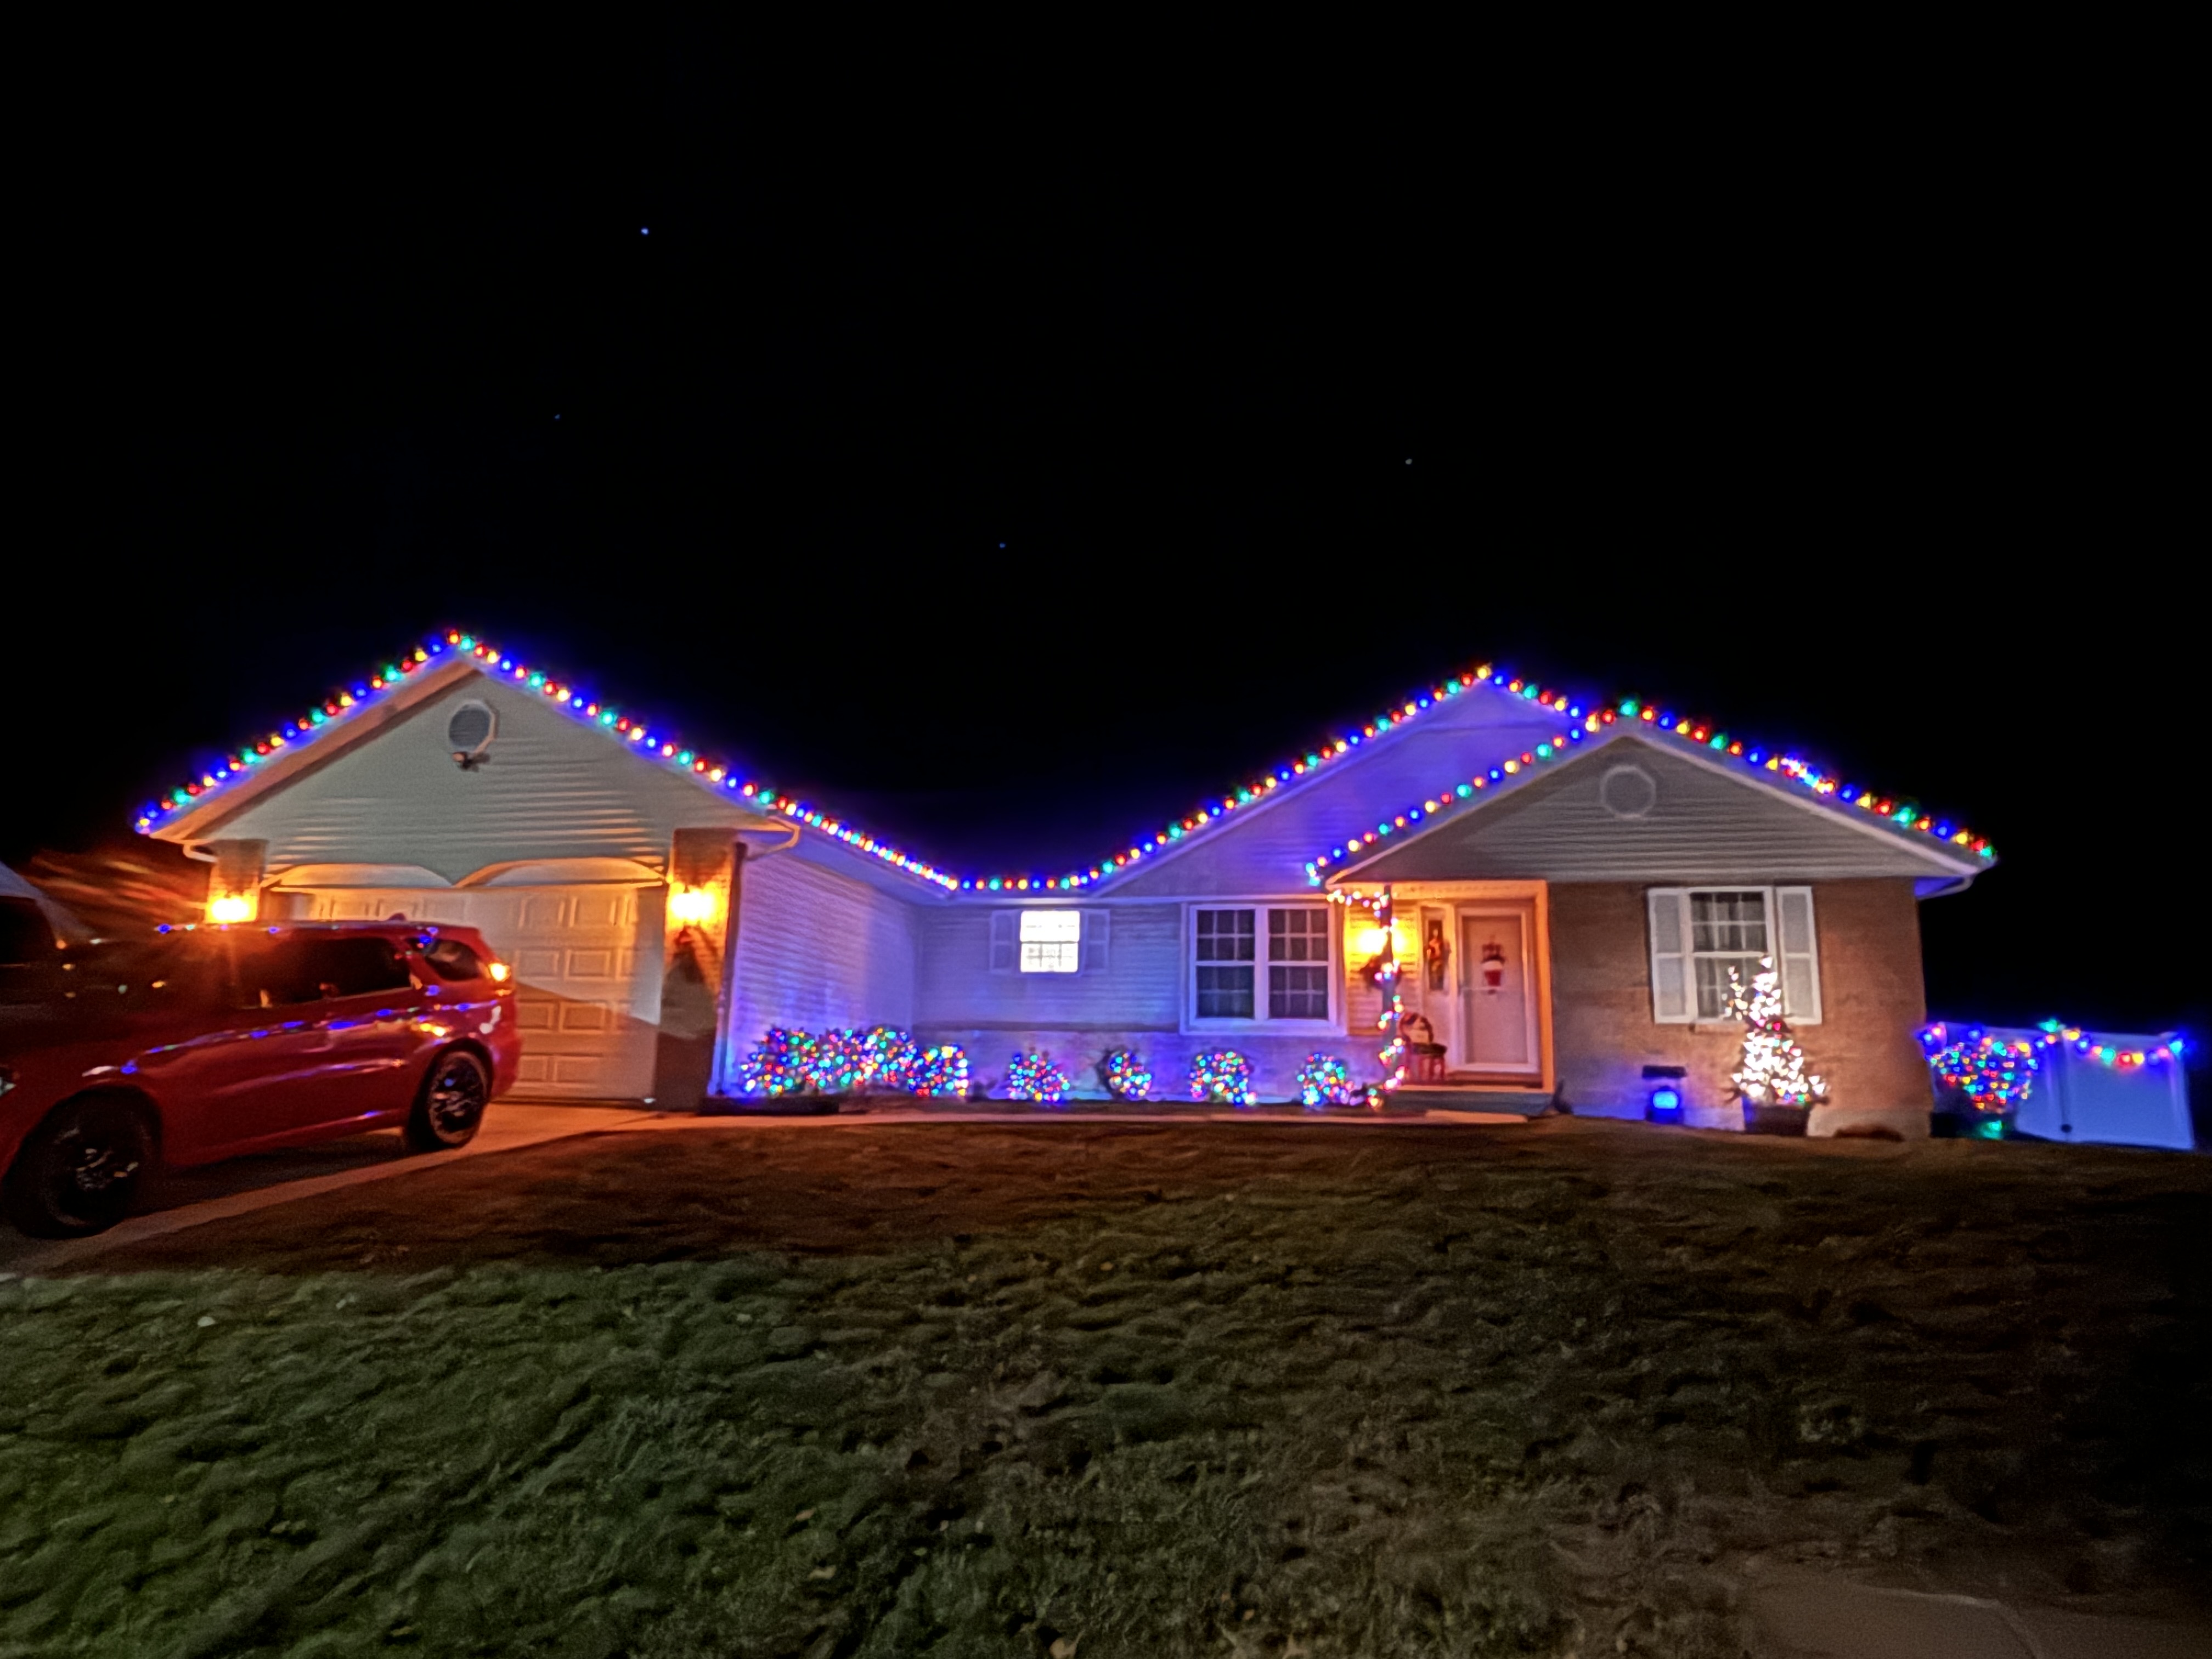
(586, 961)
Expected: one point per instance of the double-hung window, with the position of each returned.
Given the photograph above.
(1254, 964)
(1054, 941)
(1699, 934)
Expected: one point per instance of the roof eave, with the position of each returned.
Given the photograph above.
(207, 814)
(1962, 869)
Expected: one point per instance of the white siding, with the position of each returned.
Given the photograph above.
(1705, 827)
(817, 950)
(1137, 987)
(549, 788)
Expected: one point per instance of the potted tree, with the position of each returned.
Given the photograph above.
(1770, 1078)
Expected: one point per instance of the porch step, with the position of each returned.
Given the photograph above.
(1434, 1097)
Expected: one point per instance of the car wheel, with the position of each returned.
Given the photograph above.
(80, 1170)
(451, 1107)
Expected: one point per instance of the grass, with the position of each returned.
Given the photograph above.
(1111, 1390)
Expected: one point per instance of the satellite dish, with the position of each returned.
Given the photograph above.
(469, 733)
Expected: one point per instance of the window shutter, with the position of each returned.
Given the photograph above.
(1098, 929)
(1801, 956)
(1005, 944)
(1671, 959)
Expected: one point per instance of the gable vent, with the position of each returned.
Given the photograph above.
(1628, 792)
(469, 733)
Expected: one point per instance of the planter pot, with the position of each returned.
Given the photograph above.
(1773, 1120)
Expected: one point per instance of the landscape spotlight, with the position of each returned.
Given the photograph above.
(1664, 1104)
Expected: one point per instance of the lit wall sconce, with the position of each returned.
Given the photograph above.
(228, 907)
(1371, 941)
(694, 907)
(1663, 1103)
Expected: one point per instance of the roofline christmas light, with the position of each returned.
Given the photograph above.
(343, 705)
(1904, 817)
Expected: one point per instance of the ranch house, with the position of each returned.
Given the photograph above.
(1569, 883)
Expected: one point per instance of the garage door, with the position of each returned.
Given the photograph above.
(586, 961)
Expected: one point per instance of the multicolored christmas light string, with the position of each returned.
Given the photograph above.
(885, 1060)
(1034, 1077)
(1387, 973)
(1126, 1075)
(1224, 1075)
(1997, 1073)
(343, 705)
(1324, 1081)
(1993, 1074)
(2106, 1053)
(1905, 816)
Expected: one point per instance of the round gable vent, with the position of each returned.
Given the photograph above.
(1627, 792)
(469, 731)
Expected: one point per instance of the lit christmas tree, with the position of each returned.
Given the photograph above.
(1773, 1065)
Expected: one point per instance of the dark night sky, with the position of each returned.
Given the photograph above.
(1013, 490)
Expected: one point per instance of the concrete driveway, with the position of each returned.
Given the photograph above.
(176, 1199)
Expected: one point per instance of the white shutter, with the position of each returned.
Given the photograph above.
(1671, 1003)
(1800, 956)
(1005, 942)
(1098, 929)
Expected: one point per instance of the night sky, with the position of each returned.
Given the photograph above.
(1012, 492)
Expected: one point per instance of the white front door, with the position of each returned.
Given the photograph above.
(1497, 991)
(587, 963)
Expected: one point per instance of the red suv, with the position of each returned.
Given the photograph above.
(205, 1042)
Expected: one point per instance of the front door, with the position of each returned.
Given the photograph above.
(1497, 992)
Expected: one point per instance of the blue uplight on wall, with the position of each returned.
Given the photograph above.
(1664, 1104)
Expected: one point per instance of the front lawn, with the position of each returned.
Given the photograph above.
(1112, 1391)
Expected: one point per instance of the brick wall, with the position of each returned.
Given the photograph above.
(1871, 994)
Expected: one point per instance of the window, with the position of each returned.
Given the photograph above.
(1727, 936)
(1228, 982)
(1697, 935)
(1298, 964)
(1052, 941)
(306, 969)
(454, 960)
(1224, 964)
(1055, 941)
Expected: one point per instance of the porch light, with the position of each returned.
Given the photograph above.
(693, 907)
(1374, 940)
(228, 907)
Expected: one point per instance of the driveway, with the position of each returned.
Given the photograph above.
(177, 1199)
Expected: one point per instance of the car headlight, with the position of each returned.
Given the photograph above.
(7, 1078)
(498, 970)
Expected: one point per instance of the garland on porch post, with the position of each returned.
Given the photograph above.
(1383, 971)
(1393, 1018)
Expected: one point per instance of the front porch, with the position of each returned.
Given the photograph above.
(1475, 978)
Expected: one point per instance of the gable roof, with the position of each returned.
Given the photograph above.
(350, 714)
(406, 680)
(1706, 821)
(1796, 778)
